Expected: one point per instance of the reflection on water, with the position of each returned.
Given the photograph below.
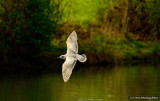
(86, 84)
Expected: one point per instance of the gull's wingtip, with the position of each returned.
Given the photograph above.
(65, 79)
(74, 32)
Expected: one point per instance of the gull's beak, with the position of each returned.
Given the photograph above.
(58, 57)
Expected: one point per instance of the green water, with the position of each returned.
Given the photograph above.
(91, 83)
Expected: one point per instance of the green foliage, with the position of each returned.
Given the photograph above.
(81, 12)
(153, 9)
(26, 29)
(39, 24)
(145, 17)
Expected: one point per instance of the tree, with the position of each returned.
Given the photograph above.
(127, 18)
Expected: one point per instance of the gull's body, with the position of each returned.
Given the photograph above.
(71, 56)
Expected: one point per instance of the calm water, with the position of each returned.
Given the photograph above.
(103, 83)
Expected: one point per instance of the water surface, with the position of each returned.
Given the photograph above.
(90, 83)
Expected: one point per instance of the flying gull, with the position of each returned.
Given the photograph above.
(71, 56)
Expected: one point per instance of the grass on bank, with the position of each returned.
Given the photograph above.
(112, 49)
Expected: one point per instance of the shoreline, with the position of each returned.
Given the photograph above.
(48, 63)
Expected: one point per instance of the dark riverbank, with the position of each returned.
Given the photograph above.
(50, 63)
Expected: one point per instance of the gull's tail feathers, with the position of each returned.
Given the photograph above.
(81, 58)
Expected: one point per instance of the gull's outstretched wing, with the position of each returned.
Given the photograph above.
(72, 46)
(67, 68)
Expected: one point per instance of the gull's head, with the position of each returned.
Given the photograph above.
(62, 57)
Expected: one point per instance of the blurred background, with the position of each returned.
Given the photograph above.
(118, 36)
(109, 31)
